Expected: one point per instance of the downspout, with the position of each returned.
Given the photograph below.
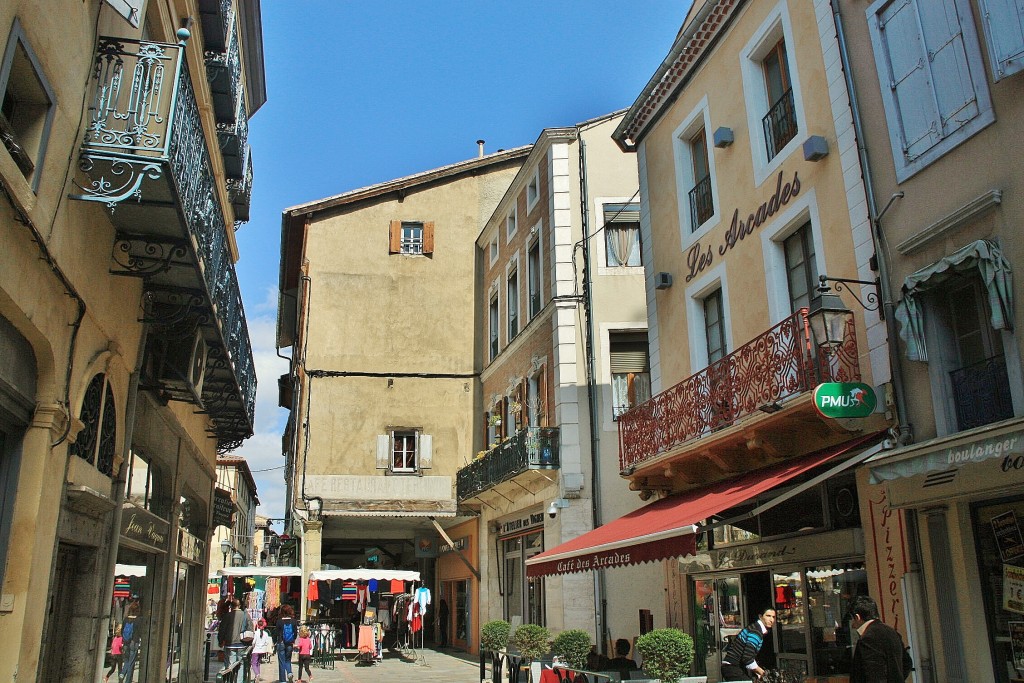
(904, 430)
(595, 440)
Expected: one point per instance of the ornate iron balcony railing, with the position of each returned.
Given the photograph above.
(240, 192)
(216, 16)
(224, 73)
(234, 142)
(532, 448)
(981, 393)
(702, 203)
(779, 124)
(145, 143)
(773, 366)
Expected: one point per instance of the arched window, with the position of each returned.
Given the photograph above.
(95, 443)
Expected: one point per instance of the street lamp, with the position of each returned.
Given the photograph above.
(827, 319)
(236, 559)
(225, 548)
(273, 547)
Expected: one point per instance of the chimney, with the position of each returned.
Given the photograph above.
(480, 148)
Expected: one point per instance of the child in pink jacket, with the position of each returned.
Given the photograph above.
(116, 654)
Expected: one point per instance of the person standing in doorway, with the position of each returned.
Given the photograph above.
(878, 654)
(740, 661)
(443, 619)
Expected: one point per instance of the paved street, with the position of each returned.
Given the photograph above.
(431, 666)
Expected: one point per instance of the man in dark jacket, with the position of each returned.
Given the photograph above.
(878, 654)
(740, 661)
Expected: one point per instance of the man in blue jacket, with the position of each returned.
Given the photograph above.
(740, 661)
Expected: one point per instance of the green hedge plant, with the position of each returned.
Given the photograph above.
(494, 635)
(667, 653)
(532, 641)
(573, 646)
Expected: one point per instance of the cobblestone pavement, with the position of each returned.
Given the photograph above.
(430, 666)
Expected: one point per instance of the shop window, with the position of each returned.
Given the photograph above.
(524, 597)
(998, 537)
(140, 481)
(26, 110)
(829, 591)
(95, 443)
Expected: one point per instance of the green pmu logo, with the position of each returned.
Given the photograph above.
(844, 399)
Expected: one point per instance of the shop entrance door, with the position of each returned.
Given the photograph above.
(724, 604)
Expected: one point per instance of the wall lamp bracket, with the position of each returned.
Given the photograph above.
(871, 300)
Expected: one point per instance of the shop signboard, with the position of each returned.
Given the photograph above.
(190, 548)
(223, 508)
(1008, 536)
(143, 527)
(1013, 589)
(460, 544)
(426, 546)
(844, 399)
(1017, 643)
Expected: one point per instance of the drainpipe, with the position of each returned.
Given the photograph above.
(904, 430)
(595, 439)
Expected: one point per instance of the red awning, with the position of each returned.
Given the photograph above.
(666, 527)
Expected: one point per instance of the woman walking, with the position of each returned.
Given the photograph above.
(262, 644)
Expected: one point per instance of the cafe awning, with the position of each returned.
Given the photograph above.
(667, 527)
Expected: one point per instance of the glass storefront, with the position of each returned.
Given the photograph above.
(524, 597)
(1001, 568)
(132, 610)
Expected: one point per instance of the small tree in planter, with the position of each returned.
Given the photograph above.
(532, 643)
(494, 635)
(573, 646)
(667, 653)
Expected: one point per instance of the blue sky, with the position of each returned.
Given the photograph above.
(362, 92)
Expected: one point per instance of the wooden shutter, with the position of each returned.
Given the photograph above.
(908, 78)
(487, 430)
(1004, 27)
(383, 451)
(425, 453)
(428, 237)
(503, 412)
(542, 396)
(395, 237)
(951, 72)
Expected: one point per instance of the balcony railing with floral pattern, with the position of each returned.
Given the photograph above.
(532, 448)
(145, 135)
(224, 73)
(774, 366)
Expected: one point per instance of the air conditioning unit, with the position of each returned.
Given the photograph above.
(179, 364)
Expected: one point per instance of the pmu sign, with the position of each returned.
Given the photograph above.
(844, 399)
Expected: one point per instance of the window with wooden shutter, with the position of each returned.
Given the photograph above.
(395, 238)
(933, 81)
(629, 365)
(426, 453)
(383, 451)
(1004, 27)
(542, 396)
(428, 237)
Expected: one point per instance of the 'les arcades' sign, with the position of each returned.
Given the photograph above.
(700, 257)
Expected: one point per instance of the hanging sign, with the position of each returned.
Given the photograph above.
(844, 399)
(223, 508)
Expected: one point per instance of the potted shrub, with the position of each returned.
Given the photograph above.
(667, 653)
(531, 641)
(573, 646)
(494, 635)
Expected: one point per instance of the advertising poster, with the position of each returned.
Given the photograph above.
(1008, 536)
(1013, 589)
(1017, 644)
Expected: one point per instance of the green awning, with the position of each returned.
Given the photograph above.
(995, 274)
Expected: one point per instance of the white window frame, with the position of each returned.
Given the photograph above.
(1002, 66)
(536, 233)
(493, 297)
(776, 26)
(513, 267)
(511, 224)
(803, 209)
(695, 294)
(533, 186)
(602, 253)
(606, 330)
(494, 250)
(422, 453)
(905, 168)
(699, 117)
(415, 453)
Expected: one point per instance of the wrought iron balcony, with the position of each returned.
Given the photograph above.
(216, 17)
(224, 72)
(981, 393)
(779, 124)
(532, 448)
(147, 160)
(774, 366)
(240, 192)
(702, 203)
(234, 142)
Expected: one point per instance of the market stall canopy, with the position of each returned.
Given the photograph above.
(129, 569)
(260, 571)
(363, 575)
(667, 528)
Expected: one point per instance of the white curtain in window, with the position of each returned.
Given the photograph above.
(623, 245)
